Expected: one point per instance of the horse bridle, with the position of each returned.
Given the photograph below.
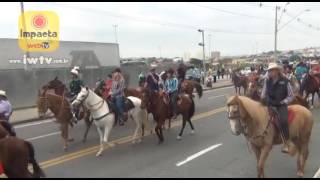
(100, 102)
(243, 126)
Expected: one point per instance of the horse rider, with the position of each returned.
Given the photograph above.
(5, 108)
(181, 74)
(277, 94)
(142, 79)
(75, 87)
(162, 80)
(152, 80)
(107, 87)
(117, 94)
(172, 91)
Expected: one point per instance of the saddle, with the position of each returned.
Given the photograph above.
(128, 105)
(274, 117)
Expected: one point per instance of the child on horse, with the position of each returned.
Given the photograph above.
(75, 88)
(172, 91)
(277, 93)
(107, 87)
(152, 80)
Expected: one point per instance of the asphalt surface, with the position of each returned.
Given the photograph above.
(211, 152)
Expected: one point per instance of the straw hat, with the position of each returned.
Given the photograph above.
(274, 66)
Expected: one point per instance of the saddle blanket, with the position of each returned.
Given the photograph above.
(291, 116)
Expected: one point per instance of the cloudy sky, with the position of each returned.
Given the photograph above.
(170, 29)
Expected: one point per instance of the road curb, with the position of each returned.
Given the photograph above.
(37, 119)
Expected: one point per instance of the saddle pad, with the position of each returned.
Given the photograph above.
(128, 104)
(1, 168)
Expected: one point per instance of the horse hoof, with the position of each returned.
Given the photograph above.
(300, 174)
(192, 132)
(71, 140)
(98, 154)
(179, 137)
(84, 140)
(65, 148)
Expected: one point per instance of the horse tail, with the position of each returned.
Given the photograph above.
(8, 127)
(199, 89)
(192, 108)
(37, 171)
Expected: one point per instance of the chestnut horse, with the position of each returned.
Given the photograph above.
(16, 154)
(188, 86)
(252, 119)
(157, 104)
(61, 109)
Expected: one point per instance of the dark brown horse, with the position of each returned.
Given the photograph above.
(16, 154)
(61, 109)
(240, 81)
(58, 87)
(188, 86)
(311, 86)
(157, 104)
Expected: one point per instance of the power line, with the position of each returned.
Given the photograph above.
(304, 23)
(229, 12)
(170, 24)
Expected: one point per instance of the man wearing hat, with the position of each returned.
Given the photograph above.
(172, 90)
(153, 80)
(277, 93)
(75, 88)
(5, 106)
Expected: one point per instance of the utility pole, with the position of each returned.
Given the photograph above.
(210, 52)
(24, 29)
(275, 35)
(203, 53)
(115, 32)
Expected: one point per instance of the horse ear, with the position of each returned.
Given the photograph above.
(56, 78)
(87, 88)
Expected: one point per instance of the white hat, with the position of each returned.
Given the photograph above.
(3, 93)
(274, 66)
(75, 71)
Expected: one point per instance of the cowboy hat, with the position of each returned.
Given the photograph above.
(3, 93)
(274, 66)
(75, 71)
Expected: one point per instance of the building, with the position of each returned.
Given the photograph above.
(215, 55)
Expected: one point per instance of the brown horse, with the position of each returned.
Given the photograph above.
(157, 104)
(61, 109)
(58, 87)
(311, 85)
(135, 92)
(188, 86)
(16, 154)
(240, 81)
(252, 119)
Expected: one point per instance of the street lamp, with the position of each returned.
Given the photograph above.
(203, 53)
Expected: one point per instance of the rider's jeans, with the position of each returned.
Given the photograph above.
(283, 120)
(119, 104)
(173, 99)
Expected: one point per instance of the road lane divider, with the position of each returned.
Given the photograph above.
(123, 140)
(202, 152)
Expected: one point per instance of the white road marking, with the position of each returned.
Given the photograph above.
(33, 124)
(198, 154)
(213, 97)
(317, 175)
(43, 136)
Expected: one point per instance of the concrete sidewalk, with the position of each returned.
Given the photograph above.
(20, 116)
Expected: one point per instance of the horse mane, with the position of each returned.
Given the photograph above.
(254, 109)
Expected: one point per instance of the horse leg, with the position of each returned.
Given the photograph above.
(138, 126)
(302, 158)
(312, 101)
(191, 125)
(184, 121)
(101, 141)
(64, 135)
(257, 152)
(263, 156)
(88, 126)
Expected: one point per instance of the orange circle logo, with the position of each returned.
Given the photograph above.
(39, 21)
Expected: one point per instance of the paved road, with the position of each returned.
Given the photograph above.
(211, 152)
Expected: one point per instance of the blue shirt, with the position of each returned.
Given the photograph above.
(5, 109)
(171, 85)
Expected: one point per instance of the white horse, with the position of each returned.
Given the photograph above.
(104, 118)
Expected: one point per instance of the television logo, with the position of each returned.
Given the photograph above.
(39, 31)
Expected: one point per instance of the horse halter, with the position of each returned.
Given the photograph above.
(82, 101)
(237, 116)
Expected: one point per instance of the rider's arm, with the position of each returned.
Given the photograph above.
(290, 96)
